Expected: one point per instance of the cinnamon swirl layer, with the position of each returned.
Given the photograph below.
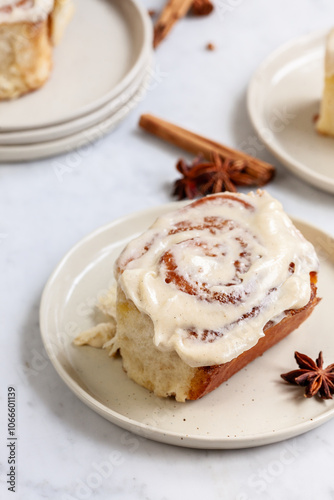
(214, 273)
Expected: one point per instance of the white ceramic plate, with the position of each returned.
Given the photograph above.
(89, 135)
(254, 407)
(283, 98)
(44, 134)
(105, 47)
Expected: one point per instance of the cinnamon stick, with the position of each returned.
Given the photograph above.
(197, 144)
(172, 12)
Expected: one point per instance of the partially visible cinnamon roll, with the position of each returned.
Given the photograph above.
(207, 289)
(28, 31)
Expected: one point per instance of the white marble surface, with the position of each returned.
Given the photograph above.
(61, 442)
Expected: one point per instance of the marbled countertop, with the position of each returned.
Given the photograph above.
(61, 442)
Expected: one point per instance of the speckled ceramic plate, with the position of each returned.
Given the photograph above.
(255, 407)
(105, 123)
(284, 98)
(104, 49)
(35, 137)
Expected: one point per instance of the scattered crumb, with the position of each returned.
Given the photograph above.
(107, 303)
(103, 334)
(152, 12)
(97, 336)
(316, 118)
(210, 46)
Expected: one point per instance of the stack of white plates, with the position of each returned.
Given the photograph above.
(101, 70)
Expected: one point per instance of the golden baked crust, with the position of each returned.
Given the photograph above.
(166, 374)
(208, 288)
(209, 378)
(25, 58)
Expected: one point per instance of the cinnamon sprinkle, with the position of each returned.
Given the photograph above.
(210, 46)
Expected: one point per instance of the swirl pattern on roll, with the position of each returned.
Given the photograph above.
(212, 274)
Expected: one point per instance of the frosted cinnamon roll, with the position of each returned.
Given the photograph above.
(28, 30)
(208, 288)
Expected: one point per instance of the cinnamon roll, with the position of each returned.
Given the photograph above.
(28, 31)
(208, 288)
(325, 123)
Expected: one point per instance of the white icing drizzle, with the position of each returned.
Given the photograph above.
(26, 11)
(242, 256)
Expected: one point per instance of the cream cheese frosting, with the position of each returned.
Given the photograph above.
(212, 274)
(14, 11)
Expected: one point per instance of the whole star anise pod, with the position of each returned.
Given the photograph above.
(186, 187)
(204, 177)
(312, 376)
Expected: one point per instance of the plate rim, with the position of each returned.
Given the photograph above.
(147, 430)
(145, 52)
(294, 165)
(64, 145)
(61, 130)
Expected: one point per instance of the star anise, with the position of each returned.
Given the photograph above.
(312, 376)
(187, 186)
(204, 177)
